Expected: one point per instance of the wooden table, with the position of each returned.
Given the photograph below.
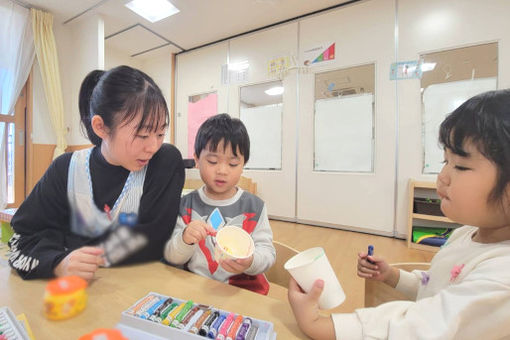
(115, 289)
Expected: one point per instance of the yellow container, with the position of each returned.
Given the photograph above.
(65, 297)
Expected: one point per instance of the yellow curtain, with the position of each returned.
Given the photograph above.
(46, 51)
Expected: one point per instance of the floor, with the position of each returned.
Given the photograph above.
(342, 248)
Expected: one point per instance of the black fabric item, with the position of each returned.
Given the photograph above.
(42, 229)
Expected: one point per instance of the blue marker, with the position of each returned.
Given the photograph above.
(213, 331)
(370, 253)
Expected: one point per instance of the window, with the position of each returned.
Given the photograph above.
(344, 120)
(450, 78)
(261, 109)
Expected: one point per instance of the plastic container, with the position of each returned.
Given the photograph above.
(65, 297)
(137, 328)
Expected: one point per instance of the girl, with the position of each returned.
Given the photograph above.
(466, 292)
(113, 203)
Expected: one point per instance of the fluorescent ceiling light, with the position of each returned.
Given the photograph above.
(152, 10)
(274, 91)
(427, 67)
(240, 66)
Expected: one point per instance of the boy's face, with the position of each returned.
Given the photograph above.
(464, 185)
(220, 170)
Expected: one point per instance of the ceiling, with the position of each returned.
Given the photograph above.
(199, 22)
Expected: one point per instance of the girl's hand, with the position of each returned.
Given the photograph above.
(236, 266)
(196, 231)
(376, 268)
(82, 262)
(305, 307)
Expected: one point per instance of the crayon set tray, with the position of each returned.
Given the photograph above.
(136, 323)
(10, 328)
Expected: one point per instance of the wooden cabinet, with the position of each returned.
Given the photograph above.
(425, 190)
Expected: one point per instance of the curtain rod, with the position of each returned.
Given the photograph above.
(25, 5)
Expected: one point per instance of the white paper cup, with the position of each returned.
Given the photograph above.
(311, 265)
(233, 243)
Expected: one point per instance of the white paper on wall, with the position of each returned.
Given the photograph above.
(264, 125)
(438, 101)
(344, 138)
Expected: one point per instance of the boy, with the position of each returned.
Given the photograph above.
(222, 148)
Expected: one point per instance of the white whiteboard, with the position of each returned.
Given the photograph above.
(344, 134)
(438, 101)
(264, 125)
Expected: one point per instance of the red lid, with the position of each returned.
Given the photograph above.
(66, 285)
(104, 334)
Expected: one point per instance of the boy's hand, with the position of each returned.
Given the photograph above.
(196, 231)
(236, 266)
(82, 262)
(305, 307)
(378, 270)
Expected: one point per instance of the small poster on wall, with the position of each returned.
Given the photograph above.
(277, 66)
(200, 107)
(318, 54)
(405, 70)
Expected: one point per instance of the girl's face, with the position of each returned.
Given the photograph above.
(220, 171)
(130, 149)
(464, 185)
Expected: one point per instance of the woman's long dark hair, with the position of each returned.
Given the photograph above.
(118, 96)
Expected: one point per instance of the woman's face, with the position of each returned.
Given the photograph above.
(126, 147)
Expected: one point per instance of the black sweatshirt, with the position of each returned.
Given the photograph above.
(43, 235)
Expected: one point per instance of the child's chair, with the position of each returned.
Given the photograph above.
(377, 292)
(277, 276)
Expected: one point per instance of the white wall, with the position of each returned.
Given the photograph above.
(113, 58)
(364, 33)
(159, 68)
(432, 26)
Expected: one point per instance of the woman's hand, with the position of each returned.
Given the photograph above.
(82, 262)
(196, 231)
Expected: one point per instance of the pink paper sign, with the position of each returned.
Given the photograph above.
(198, 112)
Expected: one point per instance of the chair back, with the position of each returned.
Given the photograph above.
(277, 274)
(377, 292)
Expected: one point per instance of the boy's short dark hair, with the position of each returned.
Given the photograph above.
(483, 120)
(223, 127)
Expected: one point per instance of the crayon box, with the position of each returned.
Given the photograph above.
(139, 325)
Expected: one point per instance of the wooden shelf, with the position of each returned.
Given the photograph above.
(423, 247)
(425, 185)
(428, 186)
(432, 218)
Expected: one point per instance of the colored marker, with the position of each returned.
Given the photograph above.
(213, 330)
(140, 304)
(167, 311)
(200, 321)
(205, 327)
(235, 326)
(173, 314)
(193, 315)
(146, 305)
(152, 308)
(252, 333)
(180, 316)
(224, 328)
(160, 309)
(370, 253)
(241, 335)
